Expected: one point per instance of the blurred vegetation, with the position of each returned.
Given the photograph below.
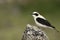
(16, 14)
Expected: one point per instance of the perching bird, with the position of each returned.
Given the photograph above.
(41, 21)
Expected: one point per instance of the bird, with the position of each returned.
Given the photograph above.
(41, 21)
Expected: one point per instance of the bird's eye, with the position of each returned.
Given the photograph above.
(36, 14)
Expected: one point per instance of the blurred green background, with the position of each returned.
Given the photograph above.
(16, 14)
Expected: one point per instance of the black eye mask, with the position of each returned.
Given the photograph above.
(35, 14)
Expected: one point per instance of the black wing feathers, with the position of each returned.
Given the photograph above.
(44, 22)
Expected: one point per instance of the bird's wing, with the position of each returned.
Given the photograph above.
(44, 22)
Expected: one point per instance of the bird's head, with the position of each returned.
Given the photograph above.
(36, 15)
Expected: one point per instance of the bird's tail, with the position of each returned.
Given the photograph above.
(55, 28)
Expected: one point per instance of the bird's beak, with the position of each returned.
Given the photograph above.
(33, 15)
